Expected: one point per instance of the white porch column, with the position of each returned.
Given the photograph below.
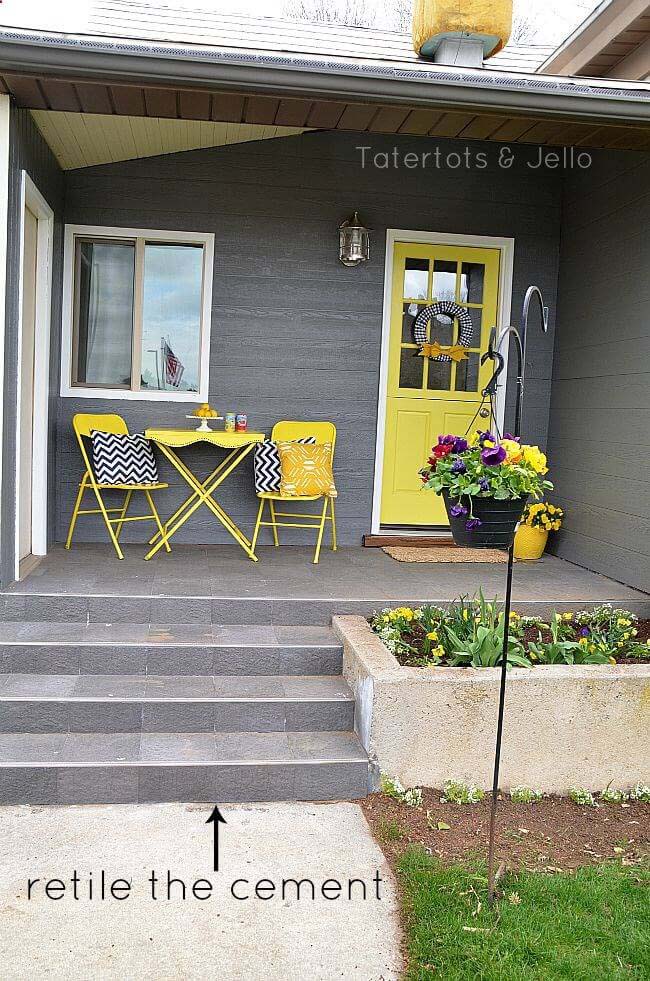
(4, 217)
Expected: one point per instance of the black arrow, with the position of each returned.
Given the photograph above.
(216, 818)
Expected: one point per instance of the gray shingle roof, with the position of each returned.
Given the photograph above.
(241, 33)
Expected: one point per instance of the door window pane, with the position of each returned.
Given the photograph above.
(410, 368)
(171, 317)
(471, 282)
(439, 376)
(104, 313)
(467, 374)
(416, 279)
(441, 329)
(410, 312)
(475, 316)
(444, 280)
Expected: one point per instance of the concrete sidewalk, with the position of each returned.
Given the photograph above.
(272, 931)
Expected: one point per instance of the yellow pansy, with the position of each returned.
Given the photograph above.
(622, 622)
(432, 635)
(534, 457)
(513, 450)
(583, 642)
(402, 613)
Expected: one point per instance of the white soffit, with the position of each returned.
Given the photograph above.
(80, 139)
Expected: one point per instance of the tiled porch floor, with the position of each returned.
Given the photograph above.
(350, 575)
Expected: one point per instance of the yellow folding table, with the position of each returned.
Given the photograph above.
(239, 446)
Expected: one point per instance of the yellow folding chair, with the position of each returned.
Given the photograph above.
(83, 424)
(286, 431)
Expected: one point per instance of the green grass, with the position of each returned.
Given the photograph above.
(593, 925)
(390, 830)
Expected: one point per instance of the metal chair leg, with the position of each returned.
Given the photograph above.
(107, 522)
(334, 543)
(260, 513)
(276, 540)
(156, 518)
(75, 512)
(321, 529)
(127, 501)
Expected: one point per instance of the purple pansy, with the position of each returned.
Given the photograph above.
(458, 510)
(458, 466)
(473, 523)
(487, 436)
(493, 455)
(584, 631)
(457, 443)
(484, 484)
(515, 439)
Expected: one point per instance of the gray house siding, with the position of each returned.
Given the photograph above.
(27, 151)
(599, 436)
(295, 334)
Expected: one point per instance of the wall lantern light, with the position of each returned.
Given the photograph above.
(354, 241)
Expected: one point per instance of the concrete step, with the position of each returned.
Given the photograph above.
(61, 703)
(75, 768)
(182, 649)
(123, 607)
(316, 607)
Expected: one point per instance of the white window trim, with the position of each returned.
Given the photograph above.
(31, 197)
(5, 118)
(68, 390)
(393, 236)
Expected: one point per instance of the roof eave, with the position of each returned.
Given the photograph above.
(600, 28)
(183, 68)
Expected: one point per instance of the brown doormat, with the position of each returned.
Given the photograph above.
(445, 553)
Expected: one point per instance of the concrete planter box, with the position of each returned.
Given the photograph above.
(565, 725)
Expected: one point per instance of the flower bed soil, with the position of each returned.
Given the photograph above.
(416, 640)
(552, 835)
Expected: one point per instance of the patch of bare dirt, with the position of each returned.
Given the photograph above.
(549, 836)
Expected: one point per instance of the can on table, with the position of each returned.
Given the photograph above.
(241, 422)
(229, 424)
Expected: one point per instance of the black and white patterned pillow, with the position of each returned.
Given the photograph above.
(267, 465)
(121, 459)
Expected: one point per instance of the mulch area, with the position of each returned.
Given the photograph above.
(416, 639)
(552, 835)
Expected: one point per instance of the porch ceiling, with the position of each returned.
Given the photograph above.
(80, 139)
(264, 112)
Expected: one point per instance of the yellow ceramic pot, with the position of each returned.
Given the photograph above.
(530, 542)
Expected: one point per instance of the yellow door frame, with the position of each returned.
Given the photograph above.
(395, 236)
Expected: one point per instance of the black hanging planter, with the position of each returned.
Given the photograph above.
(499, 520)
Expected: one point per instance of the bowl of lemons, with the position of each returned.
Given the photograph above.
(204, 414)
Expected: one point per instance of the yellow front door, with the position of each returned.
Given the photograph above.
(427, 397)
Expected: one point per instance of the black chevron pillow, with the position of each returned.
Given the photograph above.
(267, 465)
(119, 459)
